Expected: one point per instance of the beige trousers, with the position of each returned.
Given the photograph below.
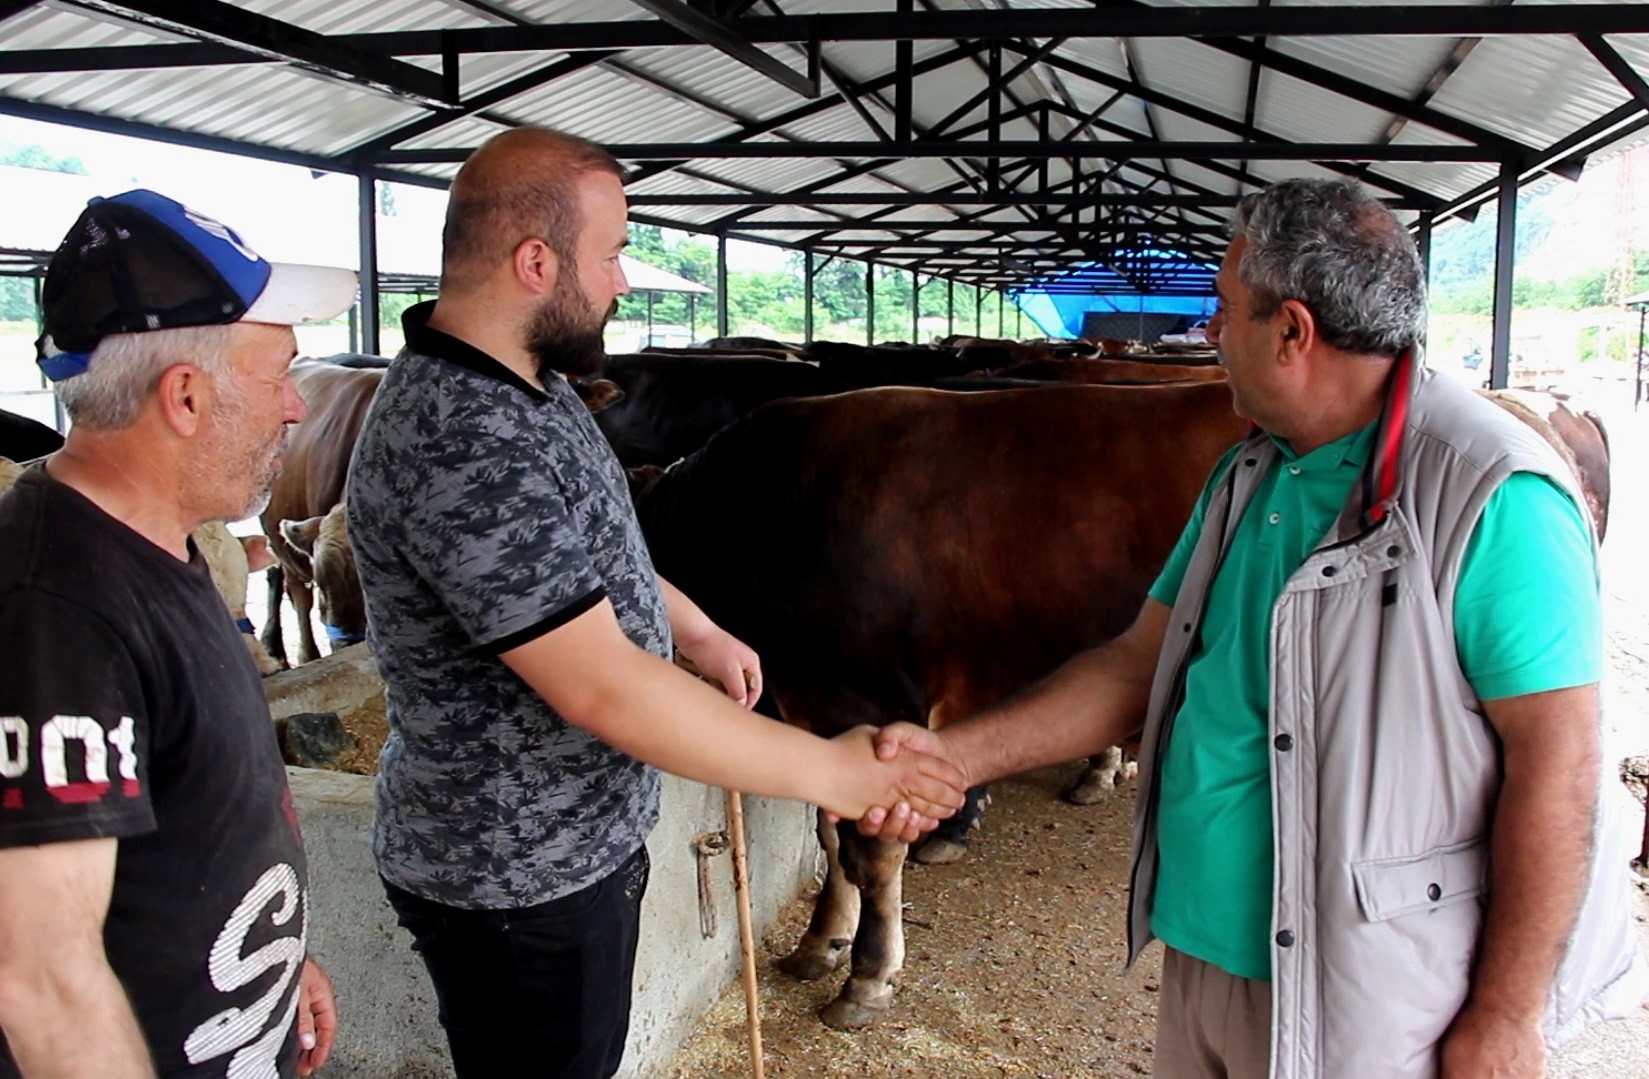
(1210, 1024)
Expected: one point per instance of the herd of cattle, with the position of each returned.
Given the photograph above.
(902, 533)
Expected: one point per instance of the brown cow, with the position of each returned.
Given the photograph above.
(311, 484)
(1105, 371)
(915, 554)
(1579, 438)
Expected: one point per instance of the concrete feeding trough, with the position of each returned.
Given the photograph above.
(387, 1022)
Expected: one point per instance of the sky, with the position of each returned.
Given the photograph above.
(285, 213)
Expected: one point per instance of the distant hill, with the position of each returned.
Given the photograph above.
(1565, 229)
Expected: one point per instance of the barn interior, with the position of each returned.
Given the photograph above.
(1076, 155)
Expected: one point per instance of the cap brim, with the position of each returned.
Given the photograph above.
(299, 294)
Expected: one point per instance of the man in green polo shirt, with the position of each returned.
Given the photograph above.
(1370, 828)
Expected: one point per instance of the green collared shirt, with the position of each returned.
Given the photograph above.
(1526, 621)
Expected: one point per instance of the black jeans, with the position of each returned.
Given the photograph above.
(538, 991)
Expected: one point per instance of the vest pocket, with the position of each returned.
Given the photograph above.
(1391, 887)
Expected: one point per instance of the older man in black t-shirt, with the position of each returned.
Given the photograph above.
(153, 889)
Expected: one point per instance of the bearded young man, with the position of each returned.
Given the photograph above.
(524, 637)
(154, 897)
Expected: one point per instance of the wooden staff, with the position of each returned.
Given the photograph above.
(747, 932)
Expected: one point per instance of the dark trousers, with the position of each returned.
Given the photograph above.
(538, 991)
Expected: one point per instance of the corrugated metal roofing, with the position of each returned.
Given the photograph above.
(1536, 91)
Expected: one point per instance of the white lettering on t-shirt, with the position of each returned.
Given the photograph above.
(124, 741)
(246, 1031)
(54, 758)
(14, 747)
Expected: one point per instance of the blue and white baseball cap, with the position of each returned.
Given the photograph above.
(140, 261)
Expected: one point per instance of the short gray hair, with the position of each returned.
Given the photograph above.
(1335, 248)
(126, 367)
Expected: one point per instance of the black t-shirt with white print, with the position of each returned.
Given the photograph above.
(129, 708)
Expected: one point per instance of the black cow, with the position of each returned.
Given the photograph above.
(23, 439)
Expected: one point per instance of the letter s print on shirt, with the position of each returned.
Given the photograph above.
(246, 1031)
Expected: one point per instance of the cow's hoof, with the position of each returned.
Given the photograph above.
(940, 851)
(810, 966)
(1090, 788)
(1095, 785)
(850, 1015)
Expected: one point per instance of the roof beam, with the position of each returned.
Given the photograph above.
(1387, 20)
(994, 227)
(725, 39)
(1107, 151)
(1445, 71)
(473, 106)
(247, 32)
(1223, 123)
(1618, 66)
(1609, 128)
(813, 108)
(1351, 89)
(958, 198)
(112, 125)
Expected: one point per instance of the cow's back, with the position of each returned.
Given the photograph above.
(1107, 371)
(891, 551)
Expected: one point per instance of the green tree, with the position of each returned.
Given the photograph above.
(17, 300)
(31, 156)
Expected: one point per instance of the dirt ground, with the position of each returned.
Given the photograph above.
(1014, 963)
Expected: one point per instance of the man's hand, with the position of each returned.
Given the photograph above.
(1480, 1046)
(918, 789)
(722, 658)
(317, 1017)
(896, 822)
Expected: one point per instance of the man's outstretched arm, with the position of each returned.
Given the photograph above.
(1096, 700)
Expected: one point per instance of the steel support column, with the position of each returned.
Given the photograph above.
(915, 307)
(1423, 242)
(870, 303)
(721, 286)
(950, 306)
(999, 313)
(1637, 389)
(1505, 242)
(978, 311)
(807, 297)
(367, 193)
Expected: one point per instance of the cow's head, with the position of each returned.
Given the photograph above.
(324, 542)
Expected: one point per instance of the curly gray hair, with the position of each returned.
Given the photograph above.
(1335, 248)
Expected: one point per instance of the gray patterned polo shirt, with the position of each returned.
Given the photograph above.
(485, 513)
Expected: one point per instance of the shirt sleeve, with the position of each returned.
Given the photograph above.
(1527, 616)
(497, 541)
(74, 726)
(1166, 588)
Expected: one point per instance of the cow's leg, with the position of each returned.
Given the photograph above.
(824, 947)
(1105, 772)
(273, 637)
(303, 601)
(949, 842)
(877, 868)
